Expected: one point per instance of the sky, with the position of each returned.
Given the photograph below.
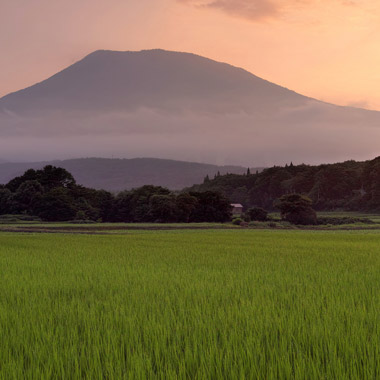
(326, 49)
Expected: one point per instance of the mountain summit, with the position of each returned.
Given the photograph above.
(111, 80)
(179, 106)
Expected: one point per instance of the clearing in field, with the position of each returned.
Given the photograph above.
(212, 304)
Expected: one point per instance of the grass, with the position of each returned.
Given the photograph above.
(108, 228)
(190, 305)
(24, 223)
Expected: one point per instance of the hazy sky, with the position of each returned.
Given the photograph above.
(327, 49)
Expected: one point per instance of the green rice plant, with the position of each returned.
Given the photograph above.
(213, 304)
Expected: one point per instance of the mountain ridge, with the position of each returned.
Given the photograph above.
(102, 52)
(102, 65)
(115, 174)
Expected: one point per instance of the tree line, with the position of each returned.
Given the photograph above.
(349, 185)
(52, 194)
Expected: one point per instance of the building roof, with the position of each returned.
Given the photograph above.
(237, 205)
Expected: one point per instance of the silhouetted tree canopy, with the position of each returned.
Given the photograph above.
(53, 195)
(257, 214)
(349, 185)
(296, 209)
(49, 177)
(211, 206)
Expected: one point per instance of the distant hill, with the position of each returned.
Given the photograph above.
(349, 185)
(121, 174)
(179, 106)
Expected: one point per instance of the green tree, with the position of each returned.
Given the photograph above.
(371, 184)
(104, 201)
(211, 207)
(239, 195)
(90, 212)
(163, 208)
(49, 177)
(185, 206)
(27, 195)
(5, 201)
(15, 183)
(134, 205)
(56, 205)
(296, 209)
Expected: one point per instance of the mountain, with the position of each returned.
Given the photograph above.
(115, 81)
(122, 174)
(178, 106)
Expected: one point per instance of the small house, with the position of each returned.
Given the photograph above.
(237, 208)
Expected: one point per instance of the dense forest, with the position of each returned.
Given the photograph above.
(52, 194)
(349, 185)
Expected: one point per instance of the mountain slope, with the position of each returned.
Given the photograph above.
(128, 80)
(178, 106)
(121, 174)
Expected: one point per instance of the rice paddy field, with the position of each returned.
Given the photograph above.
(193, 304)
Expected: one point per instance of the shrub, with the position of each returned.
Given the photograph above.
(81, 215)
(337, 221)
(82, 221)
(255, 224)
(18, 218)
(258, 214)
(237, 221)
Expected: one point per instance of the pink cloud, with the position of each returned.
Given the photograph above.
(248, 9)
(258, 10)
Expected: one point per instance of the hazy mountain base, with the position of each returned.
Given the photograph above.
(123, 174)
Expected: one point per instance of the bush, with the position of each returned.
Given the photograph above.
(246, 218)
(13, 218)
(81, 215)
(258, 214)
(337, 221)
(237, 221)
(77, 221)
(255, 224)
(304, 218)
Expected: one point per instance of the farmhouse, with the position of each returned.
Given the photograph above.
(237, 208)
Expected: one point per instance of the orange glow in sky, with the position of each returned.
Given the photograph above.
(327, 49)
